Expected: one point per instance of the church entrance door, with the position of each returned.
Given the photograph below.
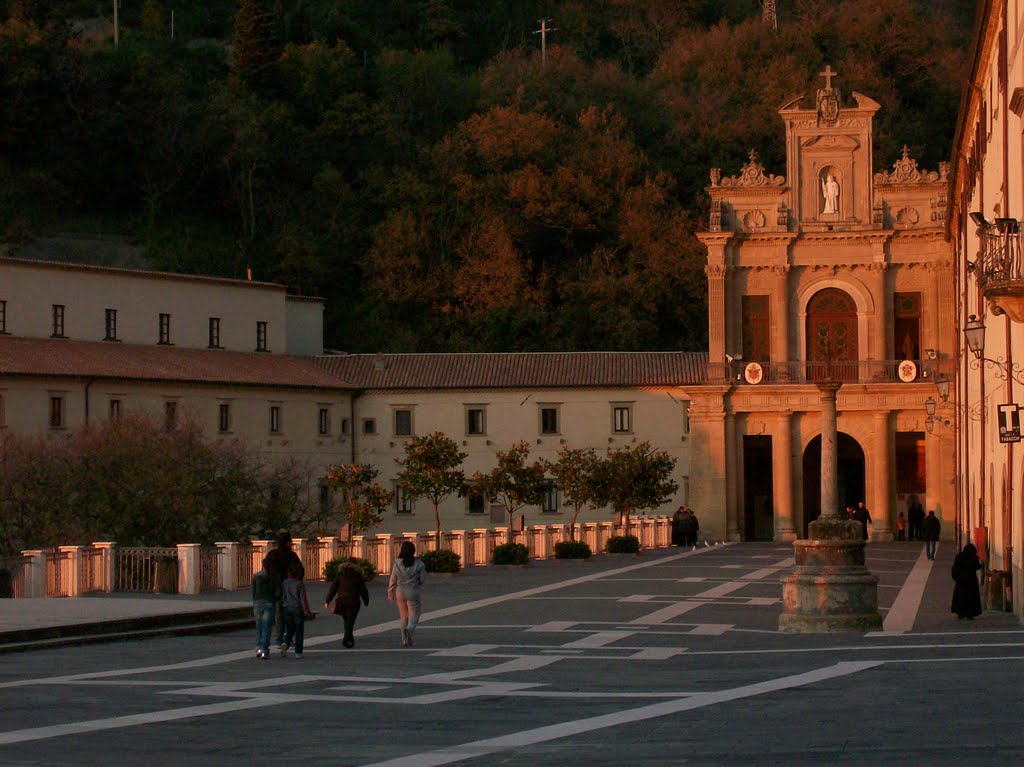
(850, 468)
(758, 512)
(832, 336)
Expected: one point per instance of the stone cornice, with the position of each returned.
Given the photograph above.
(766, 238)
(870, 236)
(714, 238)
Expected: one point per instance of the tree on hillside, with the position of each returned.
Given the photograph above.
(633, 478)
(430, 469)
(255, 50)
(512, 482)
(363, 500)
(574, 476)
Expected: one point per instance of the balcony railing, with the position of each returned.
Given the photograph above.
(999, 269)
(803, 372)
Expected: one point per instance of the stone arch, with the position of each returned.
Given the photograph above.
(851, 470)
(861, 296)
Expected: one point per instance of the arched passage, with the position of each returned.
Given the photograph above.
(850, 480)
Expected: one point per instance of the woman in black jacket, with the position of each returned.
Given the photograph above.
(966, 595)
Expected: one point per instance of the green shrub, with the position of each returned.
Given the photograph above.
(441, 561)
(510, 554)
(623, 544)
(572, 550)
(331, 568)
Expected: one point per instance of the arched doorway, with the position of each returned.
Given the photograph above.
(850, 482)
(832, 350)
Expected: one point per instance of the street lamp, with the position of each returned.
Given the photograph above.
(974, 333)
(929, 407)
(942, 387)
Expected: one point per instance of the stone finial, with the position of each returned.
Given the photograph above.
(905, 171)
(752, 174)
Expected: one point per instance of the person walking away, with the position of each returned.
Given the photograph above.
(966, 594)
(404, 588)
(931, 527)
(294, 610)
(348, 587)
(278, 562)
(686, 528)
(915, 518)
(694, 527)
(901, 527)
(862, 515)
(677, 527)
(266, 591)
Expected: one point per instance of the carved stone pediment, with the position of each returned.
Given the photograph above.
(831, 142)
(752, 175)
(905, 171)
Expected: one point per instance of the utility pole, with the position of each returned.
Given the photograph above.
(543, 32)
(768, 14)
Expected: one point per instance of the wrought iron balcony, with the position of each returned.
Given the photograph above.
(746, 373)
(999, 269)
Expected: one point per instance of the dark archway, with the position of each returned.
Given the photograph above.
(850, 466)
(832, 346)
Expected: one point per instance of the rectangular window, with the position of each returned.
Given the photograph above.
(475, 503)
(165, 329)
(261, 336)
(3, 317)
(115, 409)
(622, 419)
(214, 332)
(757, 346)
(58, 321)
(56, 412)
(548, 419)
(325, 421)
(275, 419)
(110, 325)
(224, 417)
(475, 421)
(170, 414)
(369, 426)
(403, 504)
(345, 426)
(906, 325)
(550, 503)
(403, 423)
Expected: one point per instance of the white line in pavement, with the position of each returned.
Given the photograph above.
(666, 614)
(369, 630)
(516, 740)
(597, 639)
(903, 612)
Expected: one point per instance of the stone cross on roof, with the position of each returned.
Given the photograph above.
(828, 74)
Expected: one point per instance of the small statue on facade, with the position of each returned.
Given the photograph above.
(830, 191)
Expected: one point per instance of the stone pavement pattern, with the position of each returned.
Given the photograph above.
(666, 658)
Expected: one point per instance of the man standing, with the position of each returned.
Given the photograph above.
(277, 563)
(677, 526)
(931, 528)
(863, 516)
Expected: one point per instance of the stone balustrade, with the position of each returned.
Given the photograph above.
(229, 565)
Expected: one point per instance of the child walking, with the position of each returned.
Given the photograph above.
(407, 578)
(266, 590)
(294, 610)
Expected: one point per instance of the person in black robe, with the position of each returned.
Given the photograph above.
(677, 529)
(966, 594)
(862, 515)
(915, 518)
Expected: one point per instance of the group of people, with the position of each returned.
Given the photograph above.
(280, 601)
(684, 527)
(912, 526)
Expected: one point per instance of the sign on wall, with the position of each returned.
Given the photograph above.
(1009, 423)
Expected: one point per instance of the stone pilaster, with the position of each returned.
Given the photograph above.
(880, 511)
(782, 478)
(879, 326)
(780, 314)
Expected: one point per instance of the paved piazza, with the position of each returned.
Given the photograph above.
(667, 658)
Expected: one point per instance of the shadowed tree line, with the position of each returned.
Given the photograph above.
(414, 162)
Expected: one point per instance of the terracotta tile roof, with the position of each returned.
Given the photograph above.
(528, 370)
(114, 361)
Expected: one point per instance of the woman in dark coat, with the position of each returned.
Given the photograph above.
(966, 595)
(677, 529)
(349, 586)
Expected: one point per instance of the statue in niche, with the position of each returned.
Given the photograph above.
(830, 191)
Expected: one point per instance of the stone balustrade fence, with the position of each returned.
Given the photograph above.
(190, 568)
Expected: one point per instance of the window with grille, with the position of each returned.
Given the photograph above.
(550, 502)
(165, 328)
(475, 421)
(622, 419)
(403, 423)
(58, 321)
(261, 336)
(214, 332)
(549, 420)
(275, 419)
(110, 325)
(56, 412)
(115, 409)
(224, 417)
(324, 421)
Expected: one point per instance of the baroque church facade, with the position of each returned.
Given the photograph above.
(834, 272)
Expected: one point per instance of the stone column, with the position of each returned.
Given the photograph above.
(108, 550)
(782, 478)
(227, 565)
(732, 522)
(780, 320)
(829, 454)
(881, 526)
(35, 573)
(188, 568)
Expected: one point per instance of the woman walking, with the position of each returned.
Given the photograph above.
(966, 594)
(404, 588)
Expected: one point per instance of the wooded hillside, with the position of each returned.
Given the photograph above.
(418, 164)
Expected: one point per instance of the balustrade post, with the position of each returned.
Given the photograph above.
(540, 538)
(358, 547)
(459, 545)
(260, 549)
(386, 560)
(486, 537)
(108, 552)
(330, 544)
(71, 569)
(227, 565)
(188, 568)
(299, 547)
(35, 573)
